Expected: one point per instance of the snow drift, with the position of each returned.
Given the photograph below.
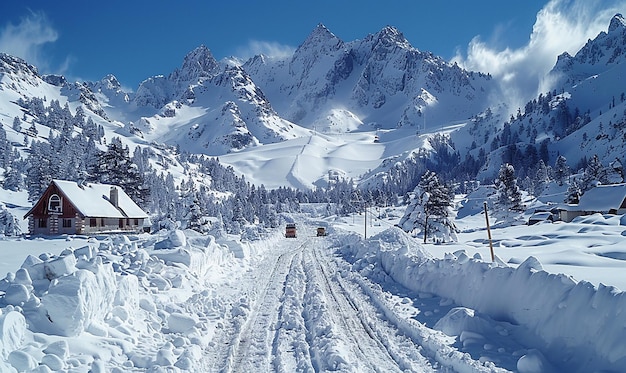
(549, 306)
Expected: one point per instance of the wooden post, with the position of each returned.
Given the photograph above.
(489, 232)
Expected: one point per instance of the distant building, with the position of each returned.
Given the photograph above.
(604, 199)
(67, 207)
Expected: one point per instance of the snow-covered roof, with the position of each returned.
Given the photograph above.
(603, 198)
(92, 200)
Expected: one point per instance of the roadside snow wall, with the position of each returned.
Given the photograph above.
(550, 306)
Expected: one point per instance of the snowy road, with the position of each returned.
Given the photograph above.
(301, 309)
(310, 304)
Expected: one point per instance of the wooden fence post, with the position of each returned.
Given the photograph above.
(488, 232)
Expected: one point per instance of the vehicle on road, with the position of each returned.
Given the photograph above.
(290, 230)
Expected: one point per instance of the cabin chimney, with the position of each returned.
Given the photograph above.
(113, 196)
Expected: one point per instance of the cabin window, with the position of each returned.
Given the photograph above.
(92, 222)
(121, 223)
(67, 223)
(102, 222)
(136, 221)
(42, 223)
(54, 204)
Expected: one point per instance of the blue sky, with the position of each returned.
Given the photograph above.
(136, 39)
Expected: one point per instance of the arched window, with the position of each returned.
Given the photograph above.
(54, 204)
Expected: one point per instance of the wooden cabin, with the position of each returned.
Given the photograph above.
(67, 207)
(603, 199)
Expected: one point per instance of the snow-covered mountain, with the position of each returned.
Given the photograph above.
(597, 56)
(394, 97)
(204, 106)
(219, 107)
(380, 82)
(583, 114)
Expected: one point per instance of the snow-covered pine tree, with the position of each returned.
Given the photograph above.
(592, 175)
(17, 124)
(508, 192)
(573, 192)
(115, 167)
(32, 130)
(542, 178)
(561, 170)
(429, 210)
(13, 179)
(9, 224)
(5, 147)
(38, 174)
(196, 220)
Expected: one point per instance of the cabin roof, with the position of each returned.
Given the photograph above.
(603, 198)
(92, 200)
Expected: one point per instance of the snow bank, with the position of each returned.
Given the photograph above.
(116, 300)
(12, 328)
(550, 306)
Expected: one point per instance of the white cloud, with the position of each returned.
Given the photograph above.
(269, 49)
(25, 40)
(561, 26)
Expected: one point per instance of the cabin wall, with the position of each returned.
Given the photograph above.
(100, 225)
(568, 216)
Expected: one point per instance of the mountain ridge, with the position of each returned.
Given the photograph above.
(376, 85)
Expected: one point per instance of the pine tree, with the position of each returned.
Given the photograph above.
(542, 178)
(593, 174)
(32, 130)
(13, 179)
(429, 209)
(509, 194)
(573, 192)
(196, 220)
(17, 124)
(5, 147)
(115, 167)
(38, 175)
(561, 170)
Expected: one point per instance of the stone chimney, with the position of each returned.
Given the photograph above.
(113, 196)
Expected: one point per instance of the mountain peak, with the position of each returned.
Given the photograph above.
(12, 64)
(197, 63)
(110, 81)
(321, 36)
(617, 23)
(390, 35)
(322, 30)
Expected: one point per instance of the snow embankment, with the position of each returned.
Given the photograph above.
(548, 307)
(113, 304)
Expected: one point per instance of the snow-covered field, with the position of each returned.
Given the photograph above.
(178, 301)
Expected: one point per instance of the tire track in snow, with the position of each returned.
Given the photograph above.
(290, 346)
(370, 352)
(443, 355)
(251, 348)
